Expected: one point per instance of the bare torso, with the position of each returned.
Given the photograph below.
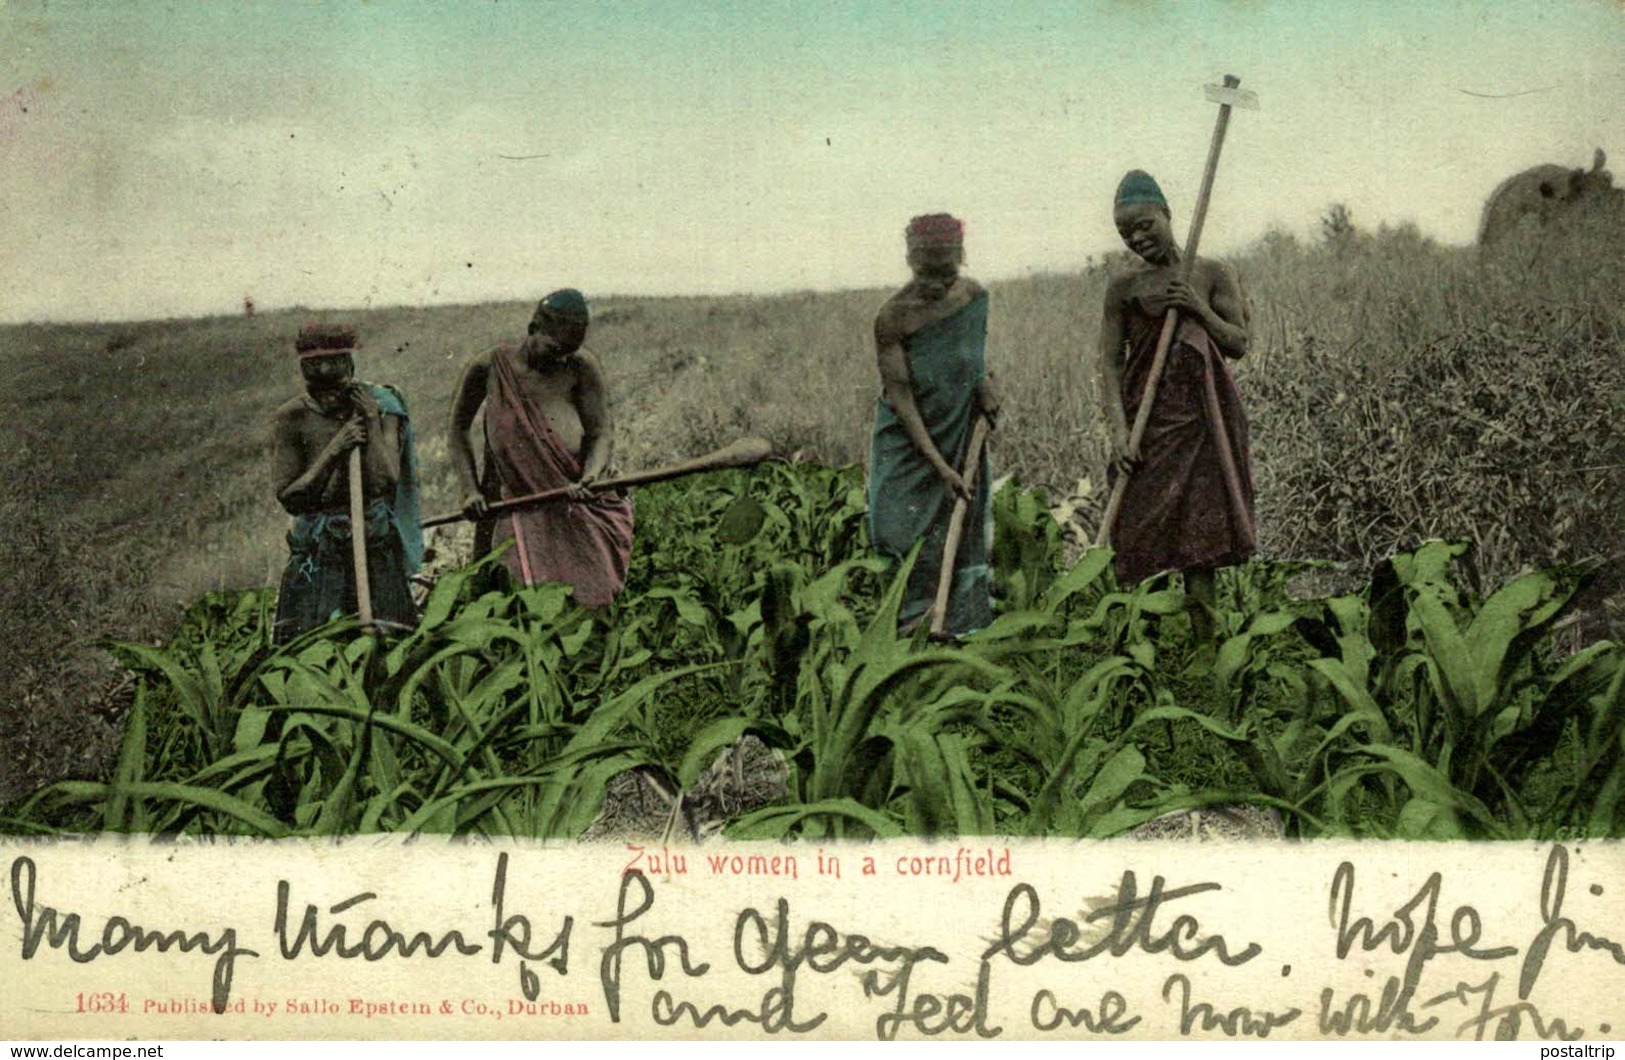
(553, 386)
(567, 388)
(300, 433)
(1214, 300)
(1141, 292)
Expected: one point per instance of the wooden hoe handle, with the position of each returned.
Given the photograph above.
(956, 527)
(358, 541)
(1170, 323)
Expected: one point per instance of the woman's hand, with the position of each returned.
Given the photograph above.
(581, 488)
(987, 399)
(1124, 456)
(1177, 295)
(349, 436)
(955, 483)
(1182, 296)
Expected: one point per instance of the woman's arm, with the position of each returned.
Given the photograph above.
(899, 391)
(465, 403)
(301, 486)
(1111, 376)
(1223, 312)
(597, 429)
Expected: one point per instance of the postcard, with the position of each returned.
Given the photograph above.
(781, 521)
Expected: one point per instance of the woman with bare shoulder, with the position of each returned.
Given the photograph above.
(1188, 503)
(930, 340)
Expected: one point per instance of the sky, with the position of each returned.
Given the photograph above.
(169, 159)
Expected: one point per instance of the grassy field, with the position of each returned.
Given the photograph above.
(1398, 391)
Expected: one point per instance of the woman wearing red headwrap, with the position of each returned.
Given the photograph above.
(311, 439)
(930, 338)
(1188, 505)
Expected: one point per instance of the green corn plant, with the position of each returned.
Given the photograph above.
(847, 676)
(1082, 751)
(1596, 798)
(233, 816)
(196, 685)
(877, 662)
(1252, 657)
(569, 786)
(125, 812)
(768, 639)
(1488, 686)
(1469, 705)
(753, 606)
(1026, 547)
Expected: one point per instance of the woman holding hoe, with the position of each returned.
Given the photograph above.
(1188, 502)
(930, 339)
(340, 421)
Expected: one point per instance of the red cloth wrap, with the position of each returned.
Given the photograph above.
(1183, 507)
(585, 544)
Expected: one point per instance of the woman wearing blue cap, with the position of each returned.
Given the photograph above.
(547, 425)
(1188, 504)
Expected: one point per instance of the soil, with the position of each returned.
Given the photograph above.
(639, 805)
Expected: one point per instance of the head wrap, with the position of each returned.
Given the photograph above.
(1139, 186)
(325, 340)
(566, 303)
(935, 230)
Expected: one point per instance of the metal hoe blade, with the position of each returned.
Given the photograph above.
(1231, 97)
